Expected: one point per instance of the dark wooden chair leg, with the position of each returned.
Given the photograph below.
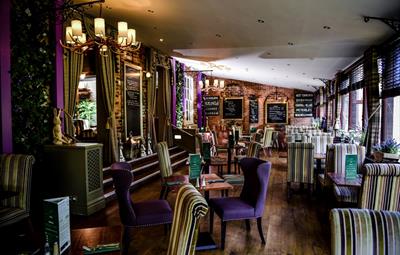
(247, 224)
(163, 188)
(288, 191)
(166, 193)
(126, 239)
(260, 230)
(223, 232)
(211, 220)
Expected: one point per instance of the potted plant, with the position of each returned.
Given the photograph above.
(389, 149)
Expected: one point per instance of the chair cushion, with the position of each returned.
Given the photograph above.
(232, 208)
(152, 212)
(9, 215)
(234, 179)
(346, 194)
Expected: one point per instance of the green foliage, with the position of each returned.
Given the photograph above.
(87, 110)
(180, 79)
(32, 74)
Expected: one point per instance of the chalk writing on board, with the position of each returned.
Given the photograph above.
(211, 105)
(253, 111)
(233, 108)
(303, 105)
(276, 113)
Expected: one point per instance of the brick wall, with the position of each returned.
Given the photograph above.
(263, 93)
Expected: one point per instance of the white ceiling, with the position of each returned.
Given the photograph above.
(227, 34)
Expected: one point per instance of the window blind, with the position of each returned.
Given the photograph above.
(344, 85)
(391, 71)
(357, 77)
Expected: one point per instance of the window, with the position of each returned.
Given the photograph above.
(356, 109)
(345, 112)
(396, 118)
(189, 92)
(85, 110)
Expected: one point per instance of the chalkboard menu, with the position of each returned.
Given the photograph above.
(133, 100)
(276, 113)
(233, 108)
(211, 105)
(303, 105)
(253, 111)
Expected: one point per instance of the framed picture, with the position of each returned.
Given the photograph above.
(276, 113)
(133, 100)
(233, 108)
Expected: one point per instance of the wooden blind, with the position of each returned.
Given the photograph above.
(357, 77)
(391, 70)
(344, 85)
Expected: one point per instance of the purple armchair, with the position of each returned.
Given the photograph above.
(141, 214)
(250, 204)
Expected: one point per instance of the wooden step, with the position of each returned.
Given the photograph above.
(144, 169)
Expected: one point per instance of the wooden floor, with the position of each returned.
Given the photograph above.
(298, 227)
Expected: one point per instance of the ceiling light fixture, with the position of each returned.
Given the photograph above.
(211, 84)
(161, 39)
(78, 41)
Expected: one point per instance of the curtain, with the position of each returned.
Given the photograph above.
(159, 99)
(163, 111)
(107, 129)
(371, 78)
(73, 64)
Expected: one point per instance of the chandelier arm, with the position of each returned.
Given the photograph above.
(73, 49)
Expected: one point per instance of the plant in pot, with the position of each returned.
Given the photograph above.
(389, 149)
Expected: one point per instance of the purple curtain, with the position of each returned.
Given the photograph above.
(199, 101)
(173, 65)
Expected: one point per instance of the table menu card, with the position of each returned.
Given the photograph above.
(194, 166)
(351, 166)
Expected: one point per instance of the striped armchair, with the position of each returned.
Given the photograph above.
(381, 187)
(320, 143)
(363, 231)
(335, 162)
(190, 205)
(300, 164)
(252, 151)
(168, 182)
(266, 143)
(302, 137)
(15, 177)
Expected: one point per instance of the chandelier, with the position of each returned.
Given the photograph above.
(215, 85)
(78, 41)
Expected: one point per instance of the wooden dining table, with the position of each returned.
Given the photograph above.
(341, 180)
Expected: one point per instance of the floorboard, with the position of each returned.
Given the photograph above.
(298, 227)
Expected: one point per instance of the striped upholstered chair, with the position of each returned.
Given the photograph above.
(190, 205)
(300, 164)
(346, 194)
(381, 187)
(168, 181)
(15, 179)
(366, 232)
(266, 143)
(252, 151)
(320, 142)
